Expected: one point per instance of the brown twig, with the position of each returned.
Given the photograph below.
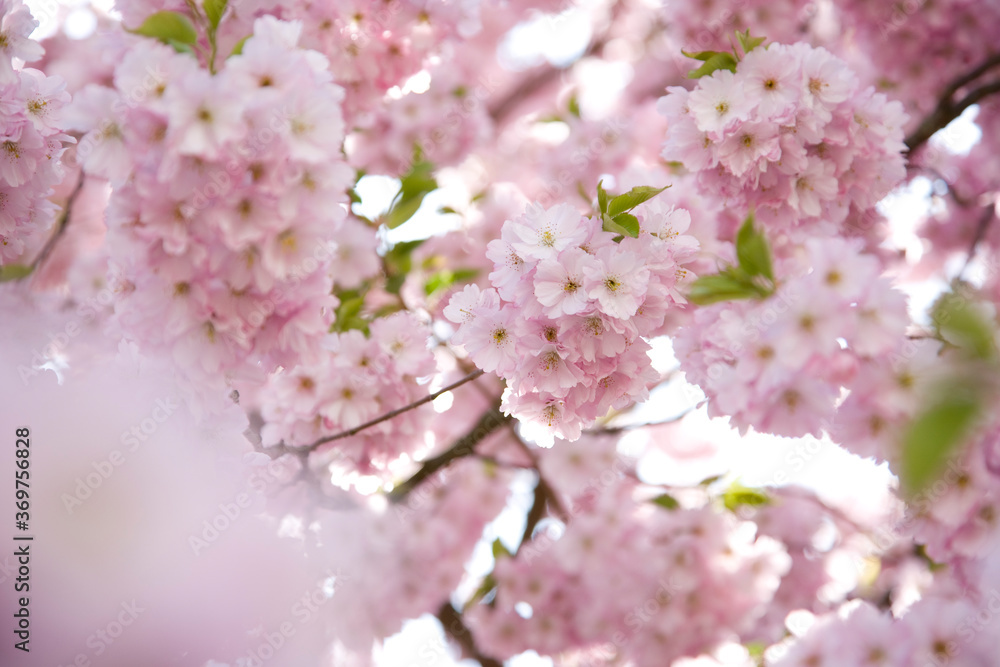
(394, 413)
(948, 110)
(502, 109)
(61, 226)
(454, 626)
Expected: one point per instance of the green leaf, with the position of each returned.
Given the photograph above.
(413, 187)
(398, 262)
(214, 9)
(702, 55)
(748, 43)
(709, 481)
(168, 27)
(446, 278)
(238, 49)
(15, 272)
(625, 224)
(485, 588)
(349, 313)
(933, 435)
(958, 321)
(499, 549)
(633, 198)
(738, 495)
(720, 287)
(444, 210)
(573, 106)
(753, 251)
(714, 63)
(181, 47)
(666, 501)
(602, 198)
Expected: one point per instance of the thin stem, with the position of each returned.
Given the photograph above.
(389, 415)
(603, 430)
(985, 221)
(61, 226)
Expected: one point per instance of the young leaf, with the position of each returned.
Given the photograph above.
(238, 49)
(933, 435)
(702, 55)
(666, 501)
(714, 63)
(625, 224)
(413, 187)
(488, 586)
(499, 549)
(753, 251)
(168, 27)
(14, 272)
(573, 106)
(959, 322)
(602, 197)
(748, 43)
(446, 278)
(633, 198)
(720, 287)
(737, 495)
(214, 9)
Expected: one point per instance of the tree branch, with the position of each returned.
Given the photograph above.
(389, 415)
(455, 628)
(947, 110)
(490, 421)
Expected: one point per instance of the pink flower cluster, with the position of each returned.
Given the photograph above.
(640, 584)
(791, 135)
(445, 122)
(31, 141)
(228, 192)
(565, 320)
(359, 379)
(938, 630)
(778, 364)
(409, 559)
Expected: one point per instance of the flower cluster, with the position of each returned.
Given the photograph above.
(360, 379)
(778, 364)
(228, 192)
(644, 585)
(565, 320)
(31, 142)
(409, 559)
(938, 630)
(790, 134)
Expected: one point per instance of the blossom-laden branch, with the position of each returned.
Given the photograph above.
(394, 413)
(947, 109)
